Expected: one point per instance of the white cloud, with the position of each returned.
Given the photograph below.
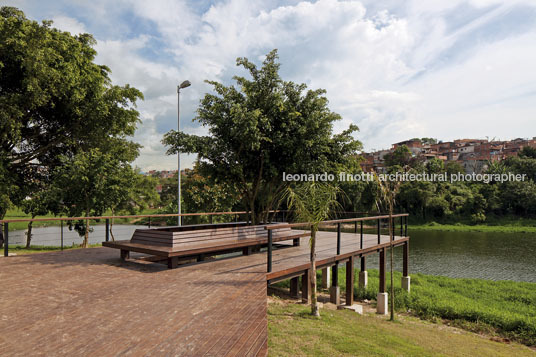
(69, 24)
(447, 69)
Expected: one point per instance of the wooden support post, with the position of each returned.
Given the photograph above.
(350, 281)
(306, 287)
(405, 259)
(334, 291)
(326, 278)
(125, 254)
(406, 280)
(173, 262)
(295, 287)
(382, 270)
(363, 274)
(335, 275)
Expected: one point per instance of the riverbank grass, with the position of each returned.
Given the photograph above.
(292, 331)
(504, 308)
(502, 225)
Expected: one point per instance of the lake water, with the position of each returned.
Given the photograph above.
(51, 236)
(494, 256)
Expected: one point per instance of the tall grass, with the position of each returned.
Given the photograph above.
(505, 307)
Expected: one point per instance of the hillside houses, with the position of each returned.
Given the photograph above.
(473, 154)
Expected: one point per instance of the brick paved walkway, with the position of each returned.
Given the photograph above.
(87, 302)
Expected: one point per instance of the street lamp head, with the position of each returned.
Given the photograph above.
(185, 84)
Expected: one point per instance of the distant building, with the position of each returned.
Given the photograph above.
(473, 154)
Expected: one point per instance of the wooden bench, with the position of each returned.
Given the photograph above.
(173, 243)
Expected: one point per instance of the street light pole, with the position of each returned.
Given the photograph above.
(179, 87)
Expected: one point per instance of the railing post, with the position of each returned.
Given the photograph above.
(269, 250)
(406, 226)
(6, 239)
(379, 230)
(149, 222)
(107, 234)
(338, 238)
(61, 234)
(361, 237)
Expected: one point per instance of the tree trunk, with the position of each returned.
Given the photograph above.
(29, 234)
(3, 212)
(314, 305)
(86, 233)
(391, 267)
(111, 226)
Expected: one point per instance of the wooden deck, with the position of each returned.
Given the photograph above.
(87, 302)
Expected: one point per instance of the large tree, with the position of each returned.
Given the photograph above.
(54, 101)
(260, 128)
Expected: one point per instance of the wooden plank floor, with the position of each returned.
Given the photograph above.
(87, 302)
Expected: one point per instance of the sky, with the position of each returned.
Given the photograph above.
(398, 69)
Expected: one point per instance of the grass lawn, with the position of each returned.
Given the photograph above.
(20, 249)
(293, 332)
(505, 308)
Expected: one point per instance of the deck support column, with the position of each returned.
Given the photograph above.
(125, 254)
(326, 278)
(406, 280)
(295, 287)
(335, 291)
(381, 307)
(172, 262)
(350, 281)
(363, 274)
(306, 287)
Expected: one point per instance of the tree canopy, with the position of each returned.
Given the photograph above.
(262, 127)
(55, 102)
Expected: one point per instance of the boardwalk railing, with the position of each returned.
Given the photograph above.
(403, 218)
(277, 216)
